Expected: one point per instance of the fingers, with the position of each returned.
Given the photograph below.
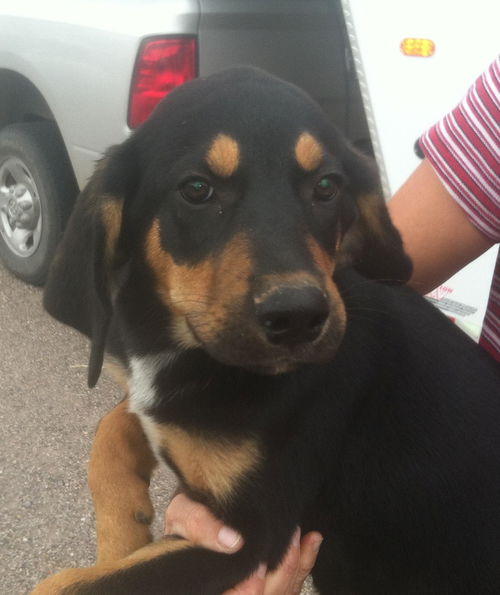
(253, 585)
(289, 577)
(195, 522)
(282, 580)
(309, 549)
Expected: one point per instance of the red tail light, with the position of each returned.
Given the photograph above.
(162, 65)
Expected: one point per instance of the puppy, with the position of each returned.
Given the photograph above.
(235, 258)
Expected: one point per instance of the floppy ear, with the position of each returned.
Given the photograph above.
(79, 287)
(372, 244)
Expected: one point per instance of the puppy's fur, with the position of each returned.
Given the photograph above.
(236, 258)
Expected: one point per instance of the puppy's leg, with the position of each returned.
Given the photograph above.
(171, 566)
(120, 469)
(230, 473)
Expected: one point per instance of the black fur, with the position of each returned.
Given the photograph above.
(391, 449)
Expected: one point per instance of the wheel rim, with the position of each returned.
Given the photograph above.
(20, 210)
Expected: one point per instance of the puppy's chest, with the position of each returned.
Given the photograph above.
(206, 462)
(144, 371)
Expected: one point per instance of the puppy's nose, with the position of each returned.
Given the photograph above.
(290, 315)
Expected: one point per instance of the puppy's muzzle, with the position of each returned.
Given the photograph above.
(292, 316)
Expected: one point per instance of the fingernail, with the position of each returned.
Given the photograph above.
(296, 538)
(262, 570)
(316, 544)
(228, 538)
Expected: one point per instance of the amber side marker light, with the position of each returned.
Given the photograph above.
(415, 46)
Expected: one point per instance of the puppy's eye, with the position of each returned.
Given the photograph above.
(196, 191)
(327, 188)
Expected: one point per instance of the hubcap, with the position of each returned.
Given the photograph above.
(20, 212)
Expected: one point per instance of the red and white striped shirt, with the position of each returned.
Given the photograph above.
(464, 150)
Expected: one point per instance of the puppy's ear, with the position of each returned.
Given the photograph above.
(371, 244)
(79, 288)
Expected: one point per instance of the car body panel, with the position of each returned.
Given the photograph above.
(81, 56)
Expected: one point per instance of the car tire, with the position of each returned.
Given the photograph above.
(37, 190)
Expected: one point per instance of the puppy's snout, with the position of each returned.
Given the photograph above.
(290, 316)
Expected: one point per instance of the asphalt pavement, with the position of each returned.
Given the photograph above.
(47, 421)
(48, 418)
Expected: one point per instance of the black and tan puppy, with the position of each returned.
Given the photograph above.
(223, 255)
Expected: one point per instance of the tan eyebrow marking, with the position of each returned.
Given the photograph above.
(308, 152)
(223, 156)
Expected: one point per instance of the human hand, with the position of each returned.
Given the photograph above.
(290, 575)
(195, 522)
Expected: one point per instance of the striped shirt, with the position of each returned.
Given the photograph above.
(464, 150)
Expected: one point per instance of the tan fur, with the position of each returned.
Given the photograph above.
(117, 372)
(120, 468)
(182, 333)
(308, 152)
(200, 296)
(326, 263)
(86, 576)
(111, 216)
(223, 156)
(370, 227)
(210, 465)
(371, 207)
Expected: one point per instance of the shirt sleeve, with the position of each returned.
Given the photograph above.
(464, 150)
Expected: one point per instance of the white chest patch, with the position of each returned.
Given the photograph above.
(144, 370)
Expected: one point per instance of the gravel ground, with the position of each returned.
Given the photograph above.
(48, 418)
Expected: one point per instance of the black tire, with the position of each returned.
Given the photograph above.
(33, 161)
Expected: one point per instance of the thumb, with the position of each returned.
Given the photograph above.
(196, 523)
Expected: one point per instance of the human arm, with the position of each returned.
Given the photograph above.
(437, 233)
